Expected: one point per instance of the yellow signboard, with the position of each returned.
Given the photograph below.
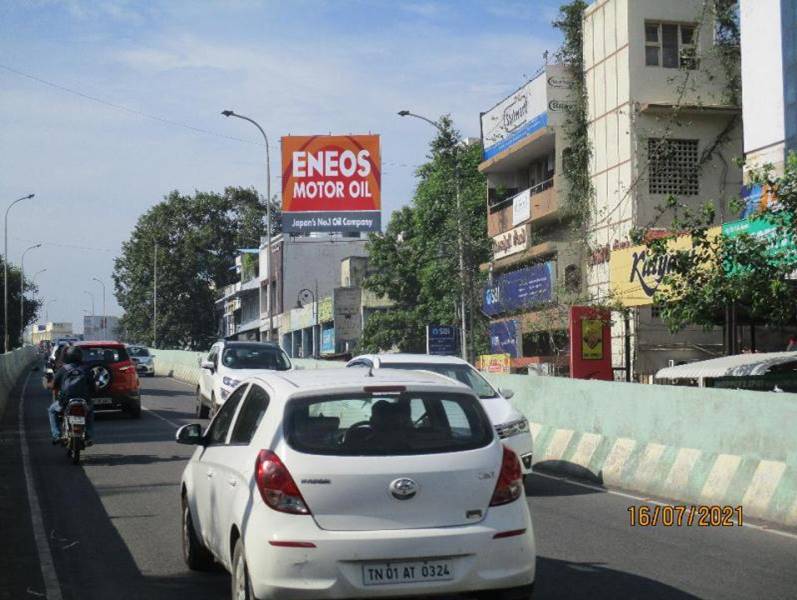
(592, 339)
(634, 276)
(494, 363)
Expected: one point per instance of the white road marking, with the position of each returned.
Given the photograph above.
(52, 589)
(154, 414)
(650, 501)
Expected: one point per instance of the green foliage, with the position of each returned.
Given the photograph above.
(197, 239)
(249, 266)
(31, 306)
(415, 262)
(576, 168)
(743, 270)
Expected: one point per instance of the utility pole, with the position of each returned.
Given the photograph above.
(5, 270)
(22, 293)
(155, 299)
(104, 312)
(229, 113)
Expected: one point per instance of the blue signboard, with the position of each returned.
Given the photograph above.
(520, 289)
(328, 341)
(504, 338)
(442, 340)
(533, 125)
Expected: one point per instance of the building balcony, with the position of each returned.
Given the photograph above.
(544, 206)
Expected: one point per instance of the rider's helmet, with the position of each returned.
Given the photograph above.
(73, 355)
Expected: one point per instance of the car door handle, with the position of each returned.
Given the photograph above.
(232, 482)
(210, 474)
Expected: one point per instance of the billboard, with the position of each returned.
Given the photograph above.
(328, 340)
(504, 338)
(494, 363)
(331, 183)
(520, 289)
(590, 343)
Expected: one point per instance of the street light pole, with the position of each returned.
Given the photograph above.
(104, 313)
(22, 292)
(314, 296)
(92, 302)
(229, 113)
(5, 270)
(155, 297)
(460, 240)
(47, 310)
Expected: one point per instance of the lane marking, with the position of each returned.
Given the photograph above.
(52, 588)
(154, 414)
(651, 501)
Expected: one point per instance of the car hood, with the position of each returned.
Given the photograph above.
(499, 410)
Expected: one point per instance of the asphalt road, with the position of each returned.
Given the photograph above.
(112, 524)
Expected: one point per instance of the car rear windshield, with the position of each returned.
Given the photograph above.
(103, 354)
(386, 424)
(462, 373)
(255, 357)
(137, 351)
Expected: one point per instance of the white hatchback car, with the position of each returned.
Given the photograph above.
(335, 483)
(227, 364)
(512, 427)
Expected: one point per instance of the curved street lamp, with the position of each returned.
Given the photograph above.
(460, 241)
(22, 291)
(229, 113)
(5, 270)
(47, 310)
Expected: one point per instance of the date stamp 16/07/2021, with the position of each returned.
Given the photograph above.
(700, 515)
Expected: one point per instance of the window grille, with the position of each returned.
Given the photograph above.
(673, 167)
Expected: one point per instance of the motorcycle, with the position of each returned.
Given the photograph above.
(73, 428)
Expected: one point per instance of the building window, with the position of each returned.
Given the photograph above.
(670, 45)
(673, 167)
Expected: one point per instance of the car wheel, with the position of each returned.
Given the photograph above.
(202, 411)
(519, 593)
(102, 376)
(133, 409)
(241, 584)
(195, 555)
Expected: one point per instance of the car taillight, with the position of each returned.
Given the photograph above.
(510, 481)
(276, 485)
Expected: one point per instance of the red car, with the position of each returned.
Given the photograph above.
(115, 377)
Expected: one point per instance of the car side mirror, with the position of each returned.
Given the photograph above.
(190, 435)
(208, 364)
(506, 392)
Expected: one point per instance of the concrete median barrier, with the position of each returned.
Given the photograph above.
(708, 446)
(184, 365)
(12, 365)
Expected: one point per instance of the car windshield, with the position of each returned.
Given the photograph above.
(104, 354)
(137, 351)
(255, 357)
(462, 373)
(386, 424)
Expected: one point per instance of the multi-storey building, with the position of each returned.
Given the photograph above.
(662, 122)
(534, 258)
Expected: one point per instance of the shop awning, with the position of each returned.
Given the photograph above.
(739, 365)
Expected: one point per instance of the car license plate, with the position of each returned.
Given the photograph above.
(76, 420)
(103, 401)
(407, 572)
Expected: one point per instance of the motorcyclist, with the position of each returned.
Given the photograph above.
(72, 380)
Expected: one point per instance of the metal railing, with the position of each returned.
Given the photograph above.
(536, 189)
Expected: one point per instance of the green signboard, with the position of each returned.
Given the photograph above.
(762, 229)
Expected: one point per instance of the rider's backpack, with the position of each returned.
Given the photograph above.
(75, 384)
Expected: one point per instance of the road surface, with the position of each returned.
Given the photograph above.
(112, 525)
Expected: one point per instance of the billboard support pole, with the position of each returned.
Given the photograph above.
(229, 113)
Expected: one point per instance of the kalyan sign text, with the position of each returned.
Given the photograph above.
(331, 183)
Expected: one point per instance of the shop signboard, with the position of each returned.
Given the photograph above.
(325, 310)
(494, 363)
(521, 207)
(346, 310)
(590, 343)
(520, 289)
(442, 340)
(331, 183)
(505, 338)
(328, 340)
(511, 242)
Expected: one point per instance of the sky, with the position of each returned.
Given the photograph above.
(148, 81)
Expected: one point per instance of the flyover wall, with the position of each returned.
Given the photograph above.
(12, 365)
(696, 445)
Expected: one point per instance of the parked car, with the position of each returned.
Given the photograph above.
(511, 426)
(336, 483)
(227, 364)
(116, 381)
(144, 361)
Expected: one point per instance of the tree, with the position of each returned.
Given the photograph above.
(197, 238)
(415, 262)
(30, 310)
(715, 272)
